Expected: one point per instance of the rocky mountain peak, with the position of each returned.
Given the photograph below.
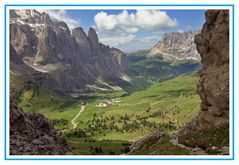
(79, 30)
(27, 13)
(176, 46)
(79, 34)
(35, 18)
(93, 37)
(43, 44)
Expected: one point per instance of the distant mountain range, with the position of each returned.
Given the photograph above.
(176, 46)
(173, 55)
(73, 62)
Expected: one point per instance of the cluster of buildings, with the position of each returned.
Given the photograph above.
(108, 103)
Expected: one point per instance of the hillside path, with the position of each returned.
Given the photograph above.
(73, 121)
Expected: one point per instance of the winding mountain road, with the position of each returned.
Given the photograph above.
(73, 121)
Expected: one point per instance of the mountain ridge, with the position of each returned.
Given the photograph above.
(70, 61)
(176, 46)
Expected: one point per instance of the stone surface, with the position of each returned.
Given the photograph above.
(71, 61)
(213, 88)
(176, 46)
(152, 138)
(33, 134)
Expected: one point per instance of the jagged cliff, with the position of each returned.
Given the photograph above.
(176, 46)
(33, 134)
(70, 61)
(213, 88)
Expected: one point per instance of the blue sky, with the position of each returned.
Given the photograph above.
(132, 30)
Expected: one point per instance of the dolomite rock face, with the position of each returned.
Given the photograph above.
(213, 45)
(69, 60)
(33, 134)
(176, 46)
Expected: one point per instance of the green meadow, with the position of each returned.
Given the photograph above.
(165, 106)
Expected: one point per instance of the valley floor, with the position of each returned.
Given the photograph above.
(97, 123)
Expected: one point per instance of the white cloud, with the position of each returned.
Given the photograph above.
(116, 40)
(62, 15)
(143, 19)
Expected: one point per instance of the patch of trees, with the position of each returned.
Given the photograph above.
(79, 133)
(128, 123)
(131, 127)
(59, 122)
(96, 150)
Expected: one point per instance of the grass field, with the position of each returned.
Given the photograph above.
(165, 106)
(170, 104)
(86, 146)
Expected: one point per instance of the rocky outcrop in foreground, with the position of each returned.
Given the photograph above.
(157, 143)
(139, 144)
(33, 134)
(213, 46)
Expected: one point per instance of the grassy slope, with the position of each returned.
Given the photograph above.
(35, 98)
(176, 97)
(52, 105)
(156, 69)
(87, 146)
